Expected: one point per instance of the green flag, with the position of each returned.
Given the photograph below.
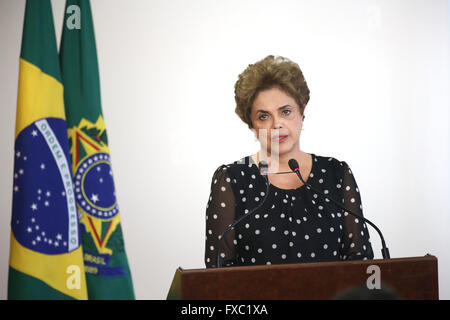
(46, 258)
(107, 272)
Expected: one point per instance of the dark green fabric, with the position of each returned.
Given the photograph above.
(79, 67)
(38, 38)
(25, 287)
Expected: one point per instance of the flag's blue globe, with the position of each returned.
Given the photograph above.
(44, 216)
(94, 186)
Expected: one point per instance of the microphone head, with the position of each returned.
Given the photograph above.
(293, 164)
(263, 168)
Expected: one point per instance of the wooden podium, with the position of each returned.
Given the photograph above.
(408, 278)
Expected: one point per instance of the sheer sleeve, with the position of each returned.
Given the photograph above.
(220, 213)
(356, 242)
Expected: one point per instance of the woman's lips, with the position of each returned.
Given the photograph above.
(281, 138)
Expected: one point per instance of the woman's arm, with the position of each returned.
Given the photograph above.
(220, 213)
(355, 244)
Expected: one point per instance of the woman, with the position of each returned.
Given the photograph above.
(294, 224)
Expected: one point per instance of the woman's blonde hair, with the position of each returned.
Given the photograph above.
(266, 74)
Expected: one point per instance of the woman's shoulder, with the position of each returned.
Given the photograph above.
(236, 168)
(329, 162)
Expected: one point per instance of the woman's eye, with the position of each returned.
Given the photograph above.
(263, 117)
(287, 112)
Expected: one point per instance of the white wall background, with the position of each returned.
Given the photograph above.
(379, 76)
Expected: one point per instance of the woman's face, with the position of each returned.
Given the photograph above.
(277, 121)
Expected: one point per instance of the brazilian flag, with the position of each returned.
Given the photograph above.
(46, 260)
(107, 272)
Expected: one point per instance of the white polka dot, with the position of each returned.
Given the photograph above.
(319, 230)
(223, 189)
(223, 205)
(291, 244)
(338, 186)
(247, 226)
(257, 216)
(325, 191)
(253, 176)
(299, 255)
(352, 200)
(256, 199)
(228, 179)
(347, 188)
(332, 229)
(306, 237)
(250, 186)
(325, 246)
(320, 180)
(286, 232)
(350, 235)
(257, 231)
(274, 246)
(211, 248)
(253, 260)
(259, 250)
(215, 216)
(241, 191)
(247, 248)
(244, 199)
(283, 256)
(272, 229)
(313, 254)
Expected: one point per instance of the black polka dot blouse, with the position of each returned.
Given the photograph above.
(295, 225)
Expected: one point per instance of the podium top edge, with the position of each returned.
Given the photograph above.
(427, 257)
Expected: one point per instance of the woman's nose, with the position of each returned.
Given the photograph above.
(277, 123)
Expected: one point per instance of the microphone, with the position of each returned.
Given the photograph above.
(263, 170)
(293, 164)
